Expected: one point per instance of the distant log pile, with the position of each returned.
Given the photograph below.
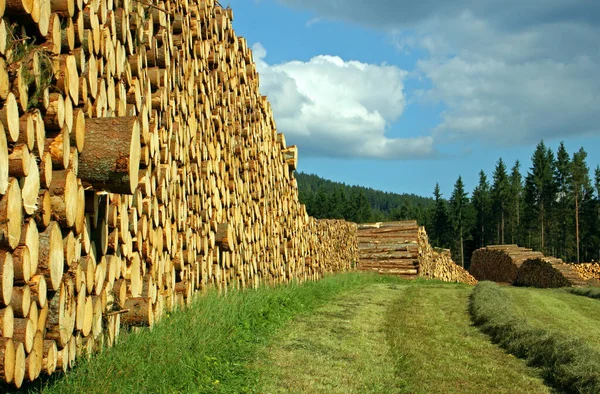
(402, 248)
(500, 263)
(138, 164)
(390, 248)
(548, 272)
(588, 271)
(524, 267)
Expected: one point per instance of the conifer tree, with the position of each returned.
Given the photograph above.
(460, 214)
(500, 198)
(481, 201)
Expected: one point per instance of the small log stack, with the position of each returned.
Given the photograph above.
(588, 271)
(500, 263)
(402, 248)
(389, 248)
(138, 164)
(548, 272)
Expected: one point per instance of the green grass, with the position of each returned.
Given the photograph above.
(437, 350)
(558, 311)
(529, 324)
(411, 337)
(207, 348)
(591, 292)
(339, 348)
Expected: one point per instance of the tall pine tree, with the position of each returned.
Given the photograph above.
(441, 222)
(460, 214)
(562, 213)
(481, 201)
(540, 192)
(516, 195)
(581, 189)
(500, 198)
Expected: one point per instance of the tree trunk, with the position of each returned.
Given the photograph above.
(462, 250)
(577, 223)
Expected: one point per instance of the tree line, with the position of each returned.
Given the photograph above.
(553, 207)
(333, 200)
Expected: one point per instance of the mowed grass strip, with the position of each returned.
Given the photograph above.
(204, 349)
(533, 330)
(437, 350)
(412, 337)
(591, 292)
(339, 348)
(558, 311)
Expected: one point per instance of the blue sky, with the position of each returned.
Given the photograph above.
(396, 96)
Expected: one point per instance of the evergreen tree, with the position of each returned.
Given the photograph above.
(540, 192)
(581, 188)
(516, 195)
(563, 179)
(441, 222)
(460, 213)
(500, 198)
(481, 201)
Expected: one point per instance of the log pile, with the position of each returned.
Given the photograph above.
(389, 248)
(138, 164)
(402, 248)
(588, 271)
(500, 263)
(438, 263)
(548, 272)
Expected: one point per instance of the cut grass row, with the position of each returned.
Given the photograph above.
(591, 292)
(206, 348)
(531, 329)
(413, 337)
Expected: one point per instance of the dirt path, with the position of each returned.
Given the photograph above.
(391, 339)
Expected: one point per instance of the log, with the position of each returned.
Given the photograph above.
(51, 255)
(11, 215)
(113, 167)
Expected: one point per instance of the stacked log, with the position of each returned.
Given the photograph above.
(138, 164)
(389, 248)
(438, 264)
(402, 248)
(548, 272)
(587, 271)
(500, 263)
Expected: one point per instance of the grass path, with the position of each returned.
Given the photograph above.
(558, 310)
(405, 338)
(340, 348)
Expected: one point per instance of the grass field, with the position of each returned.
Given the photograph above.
(560, 311)
(207, 348)
(414, 337)
(350, 333)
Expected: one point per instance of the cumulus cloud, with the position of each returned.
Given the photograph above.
(506, 70)
(332, 107)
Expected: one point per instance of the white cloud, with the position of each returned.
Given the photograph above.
(313, 21)
(332, 107)
(507, 71)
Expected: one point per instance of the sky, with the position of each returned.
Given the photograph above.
(397, 95)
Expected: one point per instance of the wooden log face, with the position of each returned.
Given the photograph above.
(111, 156)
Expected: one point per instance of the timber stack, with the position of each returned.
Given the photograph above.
(138, 164)
(522, 266)
(500, 263)
(588, 271)
(389, 248)
(438, 264)
(402, 248)
(548, 272)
